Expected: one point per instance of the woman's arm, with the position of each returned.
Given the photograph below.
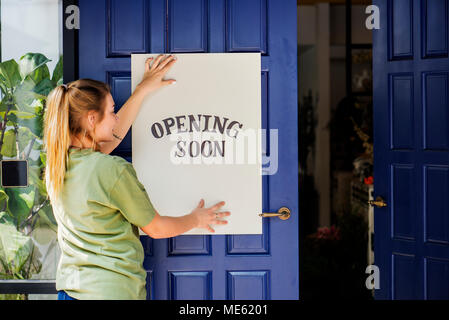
(167, 227)
(152, 80)
(126, 116)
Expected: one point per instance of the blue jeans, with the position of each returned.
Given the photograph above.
(62, 295)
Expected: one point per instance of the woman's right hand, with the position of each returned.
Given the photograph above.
(153, 74)
(207, 216)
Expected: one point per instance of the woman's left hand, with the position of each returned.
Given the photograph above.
(152, 78)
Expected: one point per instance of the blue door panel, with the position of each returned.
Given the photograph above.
(400, 29)
(249, 285)
(403, 202)
(411, 149)
(190, 285)
(437, 279)
(436, 115)
(435, 28)
(405, 267)
(220, 266)
(436, 204)
(189, 245)
(402, 111)
(119, 41)
(187, 21)
(246, 25)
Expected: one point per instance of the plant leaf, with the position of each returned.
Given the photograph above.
(48, 218)
(35, 125)
(3, 106)
(9, 73)
(24, 95)
(58, 72)
(22, 114)
(25, 135)
(44, 87)
(12, 119)
(3, 88)
(3, 197)
(34, 176)
(34, 66)
(20, 202)
(43, 157)
(9, 144)
(37, 145)
(15, 247)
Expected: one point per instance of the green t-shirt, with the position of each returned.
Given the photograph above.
(101, 205)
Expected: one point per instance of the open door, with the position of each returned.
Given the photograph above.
(411, 149)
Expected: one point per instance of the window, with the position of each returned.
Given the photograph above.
(31, 57)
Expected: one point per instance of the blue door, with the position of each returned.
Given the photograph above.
(411, 149)
(212, 267)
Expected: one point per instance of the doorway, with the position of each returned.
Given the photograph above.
(335, 150)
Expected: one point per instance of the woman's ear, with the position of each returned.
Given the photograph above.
(91, 119)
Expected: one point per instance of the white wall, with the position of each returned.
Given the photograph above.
(31, 26)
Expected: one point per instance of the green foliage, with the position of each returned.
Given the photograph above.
(24, 85)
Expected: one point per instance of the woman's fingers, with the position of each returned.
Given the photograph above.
(148, 63)
(220, 222)
(219, 215)
(167, 82)
(156, 62)
(223, 214)
(170, 60)
(217, 206)
(165, 66)
(211, 217)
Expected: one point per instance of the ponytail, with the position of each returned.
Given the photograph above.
(65, 107)
(56, 140)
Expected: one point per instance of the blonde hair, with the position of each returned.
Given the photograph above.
(65, 107)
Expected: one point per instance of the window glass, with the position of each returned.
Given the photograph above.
(31, 66)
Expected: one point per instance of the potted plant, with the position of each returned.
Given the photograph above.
(24, 86)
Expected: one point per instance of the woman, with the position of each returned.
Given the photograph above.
(97, 200)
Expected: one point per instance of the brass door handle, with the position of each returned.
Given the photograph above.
(379, 202)
(283, 214)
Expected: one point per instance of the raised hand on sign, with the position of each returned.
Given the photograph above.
(207, 216)
(152, 78)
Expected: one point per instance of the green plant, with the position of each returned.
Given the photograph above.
(24, 86)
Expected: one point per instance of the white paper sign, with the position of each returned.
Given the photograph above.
(201, 138)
